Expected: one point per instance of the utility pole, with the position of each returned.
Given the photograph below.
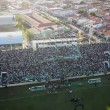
(90, 33)
(10, 40)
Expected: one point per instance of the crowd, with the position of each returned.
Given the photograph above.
(28, 65)
(55, 52)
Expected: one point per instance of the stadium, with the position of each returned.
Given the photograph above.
(55, 74)
(52, 63)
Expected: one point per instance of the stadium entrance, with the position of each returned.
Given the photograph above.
(4, 79)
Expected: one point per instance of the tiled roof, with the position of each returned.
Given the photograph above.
(40, 18)
(107, 32)
(104, 31)
(94, 18)
(38, 22)
(31, 21)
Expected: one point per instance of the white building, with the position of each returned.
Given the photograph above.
(6, 20)
(35, 44)
(80, 6)
(82, 21)
(92, 10)
(61, 12)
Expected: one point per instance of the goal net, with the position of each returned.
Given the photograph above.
(94, 81)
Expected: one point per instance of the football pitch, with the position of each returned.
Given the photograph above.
(93, 97)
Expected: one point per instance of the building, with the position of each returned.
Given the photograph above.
(59, 42)
(50, 32)
(59, 12)
(7, 20)
(37, 21)
(3, 5)
(92, 10)
(11, 38)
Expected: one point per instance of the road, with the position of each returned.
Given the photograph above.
(78, 29)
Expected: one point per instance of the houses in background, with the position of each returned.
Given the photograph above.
(60, 12)
(48, 17)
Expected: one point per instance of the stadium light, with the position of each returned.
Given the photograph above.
(90, 33)
(10, 40)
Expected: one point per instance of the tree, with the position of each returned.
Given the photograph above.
(80, 11)
(92, 13)
(25, 5)
(82, 2)
(28, 36)
(19, 22)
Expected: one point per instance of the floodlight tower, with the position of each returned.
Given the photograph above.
(10, 40)
(90, 33)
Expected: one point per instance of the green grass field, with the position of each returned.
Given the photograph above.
(21, 98)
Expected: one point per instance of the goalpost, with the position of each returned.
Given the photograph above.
(94, 81)
(37, 88)
(4, 78)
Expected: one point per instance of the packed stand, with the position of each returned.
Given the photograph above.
(26, 65)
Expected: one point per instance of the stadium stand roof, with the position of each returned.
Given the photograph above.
(54, 40)
(11, 37)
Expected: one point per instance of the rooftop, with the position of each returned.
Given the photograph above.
(94, 18)
(40, 18)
